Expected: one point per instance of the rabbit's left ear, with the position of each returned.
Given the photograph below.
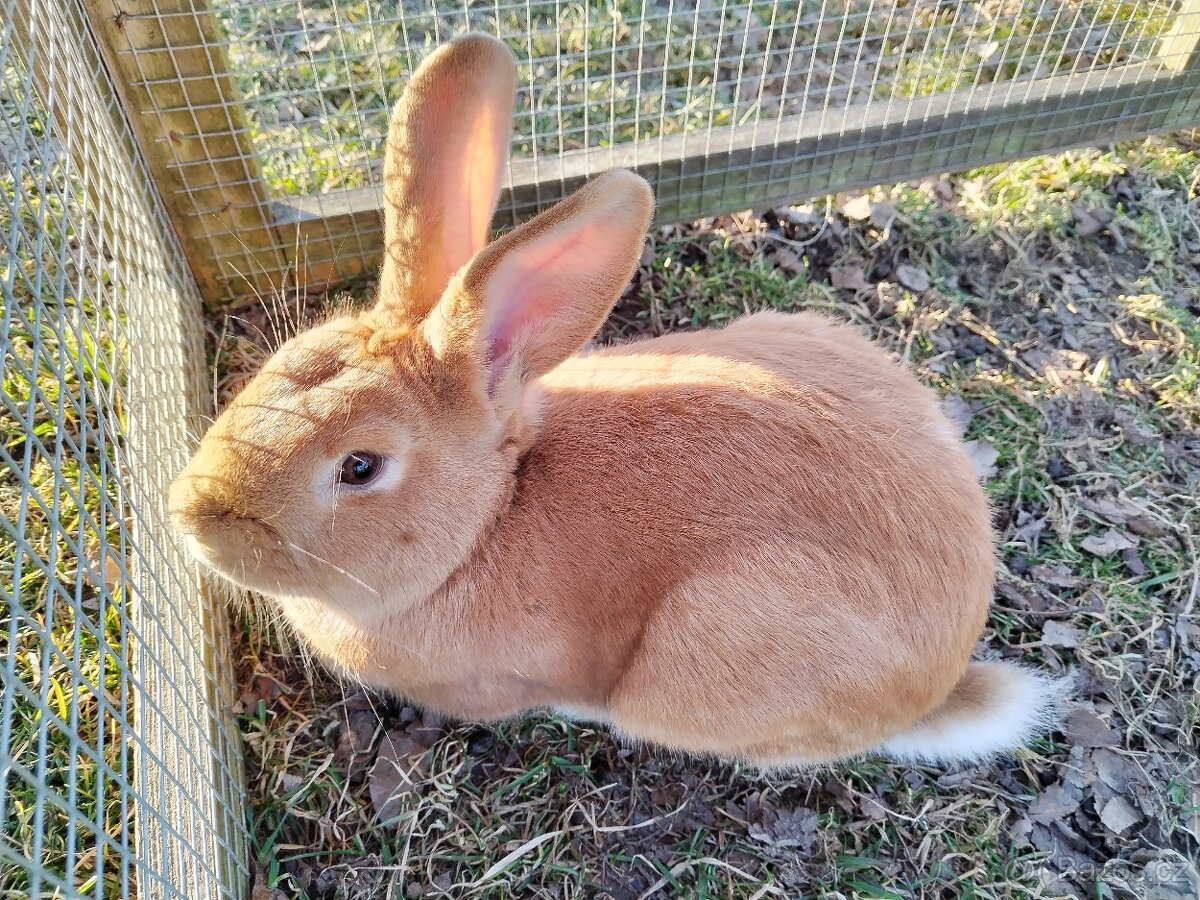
(447, 145)
(536, 295)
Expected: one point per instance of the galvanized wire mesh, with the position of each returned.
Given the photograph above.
(722, 103)
(119, 771)
(238, 143)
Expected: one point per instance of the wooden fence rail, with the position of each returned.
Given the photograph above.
(168, 59)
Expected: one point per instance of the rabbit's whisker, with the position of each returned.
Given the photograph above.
(335, 568)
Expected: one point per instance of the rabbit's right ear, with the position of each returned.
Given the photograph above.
(536, 295)
(446, 148)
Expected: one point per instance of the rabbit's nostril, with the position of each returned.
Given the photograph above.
(194, 501)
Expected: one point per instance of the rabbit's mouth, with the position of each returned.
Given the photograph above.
(246, 551)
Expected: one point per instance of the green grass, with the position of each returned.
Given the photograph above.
(64, 632)
(319, 80)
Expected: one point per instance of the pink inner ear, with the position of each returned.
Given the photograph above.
(471, 188)
(529, 289)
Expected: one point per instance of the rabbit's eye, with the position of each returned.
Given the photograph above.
(361, 467)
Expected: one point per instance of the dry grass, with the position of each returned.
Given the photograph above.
(1054, 302)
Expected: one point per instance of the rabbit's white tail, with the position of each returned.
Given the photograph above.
(995, 708)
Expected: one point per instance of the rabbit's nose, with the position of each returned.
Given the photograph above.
(196, 500)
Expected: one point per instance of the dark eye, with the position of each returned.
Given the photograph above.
(361, 467)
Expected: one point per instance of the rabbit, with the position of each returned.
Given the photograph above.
(763, 543)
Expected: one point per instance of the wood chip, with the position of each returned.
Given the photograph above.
(857, 209)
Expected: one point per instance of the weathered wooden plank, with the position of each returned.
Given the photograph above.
(1180, 48)
(776, 161)
(168, 64)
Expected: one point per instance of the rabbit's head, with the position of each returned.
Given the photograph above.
(368, 457)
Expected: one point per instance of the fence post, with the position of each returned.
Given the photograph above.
(1180, 49)
(170, 72)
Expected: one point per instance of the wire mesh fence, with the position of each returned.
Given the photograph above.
(158, 152)
(119, 772)
(269, 115)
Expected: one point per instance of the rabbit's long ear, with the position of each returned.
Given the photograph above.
(536, 295)
(446, 149)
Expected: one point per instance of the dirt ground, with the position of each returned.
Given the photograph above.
(1054, 304)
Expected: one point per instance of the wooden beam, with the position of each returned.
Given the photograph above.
(739, 167)
(1180, 48)
(169, 69)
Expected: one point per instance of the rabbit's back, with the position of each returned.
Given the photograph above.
(775, 513)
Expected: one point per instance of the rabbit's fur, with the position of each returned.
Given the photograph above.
(763, 542)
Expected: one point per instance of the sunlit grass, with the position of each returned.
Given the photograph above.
(319, 78)
(65, 634)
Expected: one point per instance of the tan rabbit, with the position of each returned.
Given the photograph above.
(763, 542)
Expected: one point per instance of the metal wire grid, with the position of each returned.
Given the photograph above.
(318, 78)
(119, 773)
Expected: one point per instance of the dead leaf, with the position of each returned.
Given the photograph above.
(1085, 222)
(1119, 815)
(1052, 840)
(1108, 543)
(355, 738)
(1115, 770)
(991, 54)
(873, 809)
(1056, 634)
(983, 457)
(261, 687)
(1057, 575)
(958, 411)
(262, 890)
(1086, 729)
(882, 214)
(787, 828)
(912, 277)
(1020, 599)
(1028, 532)
(102, 568)
(1054, 803)
(789, 260)
(398, 771)
(1118, 512)
(841, 796)
(849, 278)
(1146, 527)
(1133, 562)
